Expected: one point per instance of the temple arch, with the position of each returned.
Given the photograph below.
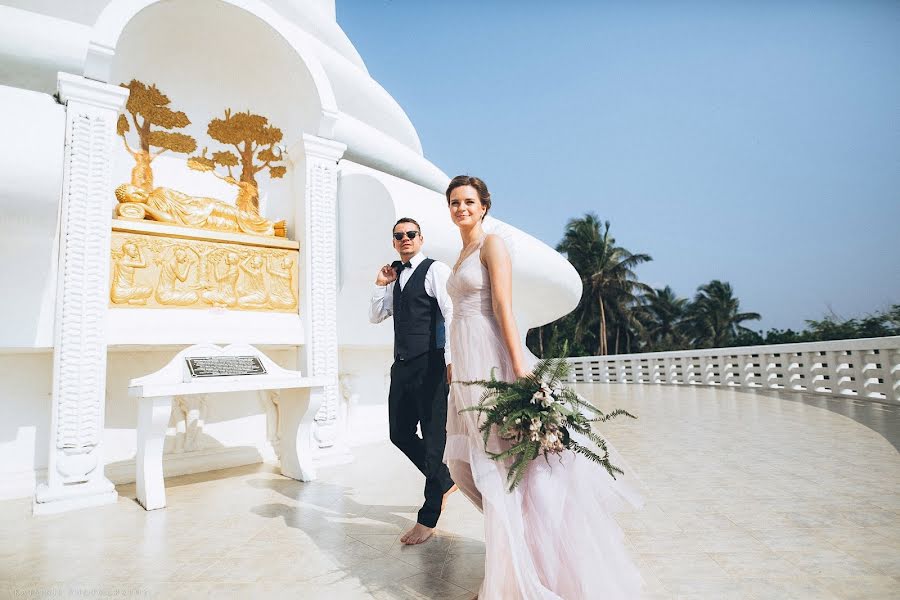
(115, 18)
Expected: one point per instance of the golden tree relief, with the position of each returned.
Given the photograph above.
(149, 107)
(253, 138)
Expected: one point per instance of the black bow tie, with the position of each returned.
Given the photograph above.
(406, 265)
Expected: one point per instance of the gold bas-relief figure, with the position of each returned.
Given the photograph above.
(225, 277)
(154, 271)
(174, 268)
(252, 291)
(125, 265)
(255, 143)
(281, 290)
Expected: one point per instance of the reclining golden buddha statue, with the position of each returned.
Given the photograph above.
(177, 208)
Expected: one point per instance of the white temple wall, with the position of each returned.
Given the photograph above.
(27, 384)
(365, 217)
(35, 47)
(364, 393)
(31, 158)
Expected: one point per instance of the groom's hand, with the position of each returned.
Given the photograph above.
(449, 374)
(386, 275)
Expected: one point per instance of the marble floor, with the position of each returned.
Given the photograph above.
(755, 496)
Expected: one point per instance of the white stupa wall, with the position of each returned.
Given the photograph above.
(33, 125)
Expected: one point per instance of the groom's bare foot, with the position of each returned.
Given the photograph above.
(416, 535)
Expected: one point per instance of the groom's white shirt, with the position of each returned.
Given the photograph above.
(382, 305)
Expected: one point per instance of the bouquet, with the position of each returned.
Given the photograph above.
(536, 416)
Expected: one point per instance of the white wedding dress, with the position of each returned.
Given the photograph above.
(554, 537)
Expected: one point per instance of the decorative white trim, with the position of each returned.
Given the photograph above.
(75, 474)
(100, 95)
(866, 369)
(322, 149)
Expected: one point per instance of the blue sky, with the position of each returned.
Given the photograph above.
(754, 142)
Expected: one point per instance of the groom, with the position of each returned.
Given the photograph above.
(414, 291)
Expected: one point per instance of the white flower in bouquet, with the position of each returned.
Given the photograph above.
(544, 396)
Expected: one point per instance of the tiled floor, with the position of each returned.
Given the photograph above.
(748, 496)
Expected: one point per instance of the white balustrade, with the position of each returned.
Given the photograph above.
(865, 368)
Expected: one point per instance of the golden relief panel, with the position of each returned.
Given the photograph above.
(251, 147)
(159, 269)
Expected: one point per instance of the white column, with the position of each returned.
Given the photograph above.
(321, 157)
(75, 475)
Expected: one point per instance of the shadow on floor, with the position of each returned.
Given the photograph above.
(328, 515)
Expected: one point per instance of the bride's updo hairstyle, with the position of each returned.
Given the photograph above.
(481, 187)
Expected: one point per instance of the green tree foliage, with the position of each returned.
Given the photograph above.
(618, 313)
(610, 287)
(713, 319)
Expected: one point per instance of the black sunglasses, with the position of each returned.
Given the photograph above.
(398, 235)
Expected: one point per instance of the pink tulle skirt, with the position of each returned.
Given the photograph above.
(554, 536)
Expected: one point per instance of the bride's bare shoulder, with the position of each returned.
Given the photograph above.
(493, 247)
(492, 241)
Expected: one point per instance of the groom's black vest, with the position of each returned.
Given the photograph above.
(418, 322)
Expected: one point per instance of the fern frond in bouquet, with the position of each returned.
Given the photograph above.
(536, 415)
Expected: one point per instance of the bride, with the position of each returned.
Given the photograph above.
(553, 536)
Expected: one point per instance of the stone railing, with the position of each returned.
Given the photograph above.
(866, 368)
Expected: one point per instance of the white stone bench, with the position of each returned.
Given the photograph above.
(294, 413)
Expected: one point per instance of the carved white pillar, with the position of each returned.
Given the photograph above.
(321, 157)
(75, 471)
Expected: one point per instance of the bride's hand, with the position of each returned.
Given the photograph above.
(521, 371)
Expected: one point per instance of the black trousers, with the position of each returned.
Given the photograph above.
(418, 396)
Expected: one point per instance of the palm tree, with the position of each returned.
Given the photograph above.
(625, 317)
(661, 314)
(714, 318)
(611, 289)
